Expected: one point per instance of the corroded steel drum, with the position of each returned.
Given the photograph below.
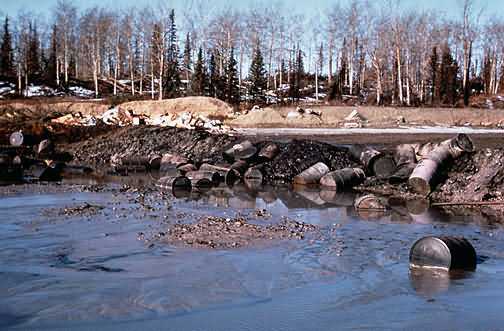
(254, 173)
(269, 152)
(340, 180)
(449, 253)
(172, 183)
(203, 179)
(242, 151)
(312, 175)
(422, 176)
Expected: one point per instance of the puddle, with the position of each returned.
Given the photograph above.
(95, 270)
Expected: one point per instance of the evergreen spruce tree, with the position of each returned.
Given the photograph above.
(199, 79)
(448, 78)
(297, 76)
(188, 61)
(50, 66)
(338, 83)
(434, 75)
(257, 78)
(33, 57)
(6, 53)
(231, 89)
(215, 88)
(487, 73)
(172, 81)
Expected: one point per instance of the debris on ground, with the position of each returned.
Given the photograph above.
(226, 233)
(354, 120)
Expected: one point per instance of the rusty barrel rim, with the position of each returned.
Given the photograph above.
(464, 142)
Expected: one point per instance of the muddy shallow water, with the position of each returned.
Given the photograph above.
(65, 265)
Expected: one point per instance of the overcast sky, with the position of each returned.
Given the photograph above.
(11, 7)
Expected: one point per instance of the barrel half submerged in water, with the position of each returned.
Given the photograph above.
(448, 253)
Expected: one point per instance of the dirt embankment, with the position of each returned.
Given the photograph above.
(210, 107)
(374, 117)
(150, 141)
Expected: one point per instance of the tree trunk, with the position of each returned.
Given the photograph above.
(376, 64)
(270, 60)
(161, 66)
(66, 58)
(408, 92)
(467, 60)
(399, 76)
(330, 62)
(152, 77)
(351, 66)
(20, 82)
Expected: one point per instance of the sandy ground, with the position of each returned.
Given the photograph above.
(376, 117)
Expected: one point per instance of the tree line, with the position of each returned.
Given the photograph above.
(375, 51)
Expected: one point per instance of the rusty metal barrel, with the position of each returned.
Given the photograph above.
(170, 161)
(426, 170)
(374, 162)
(240, 166)
(340, 180)
(185, 168)
(155, 162)
(253, 173)
(172, 183)
(19, 138)
(269, 152)
(405, 159)
(312, 175)
(448, 253)
(203, 179)
(219, 169)
(242, 151)
(45, 147)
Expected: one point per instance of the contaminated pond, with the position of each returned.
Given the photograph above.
(87, 256)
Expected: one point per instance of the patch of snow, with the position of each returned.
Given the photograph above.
(7, 88)
(39, 91)
(81, 92)
(124, 81)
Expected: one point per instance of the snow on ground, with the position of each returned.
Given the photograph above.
(41, 91)
(81, 92)
(6, 88)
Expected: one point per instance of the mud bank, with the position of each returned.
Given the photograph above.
(219, 233)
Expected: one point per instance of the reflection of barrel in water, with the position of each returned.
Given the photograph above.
(421, 212)
(312, 194)
(179, 186)
(254, 186)
(370, 207)
(219, 196)
(429, 282)
(340, 199)
(267, 194)
(242, 198)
